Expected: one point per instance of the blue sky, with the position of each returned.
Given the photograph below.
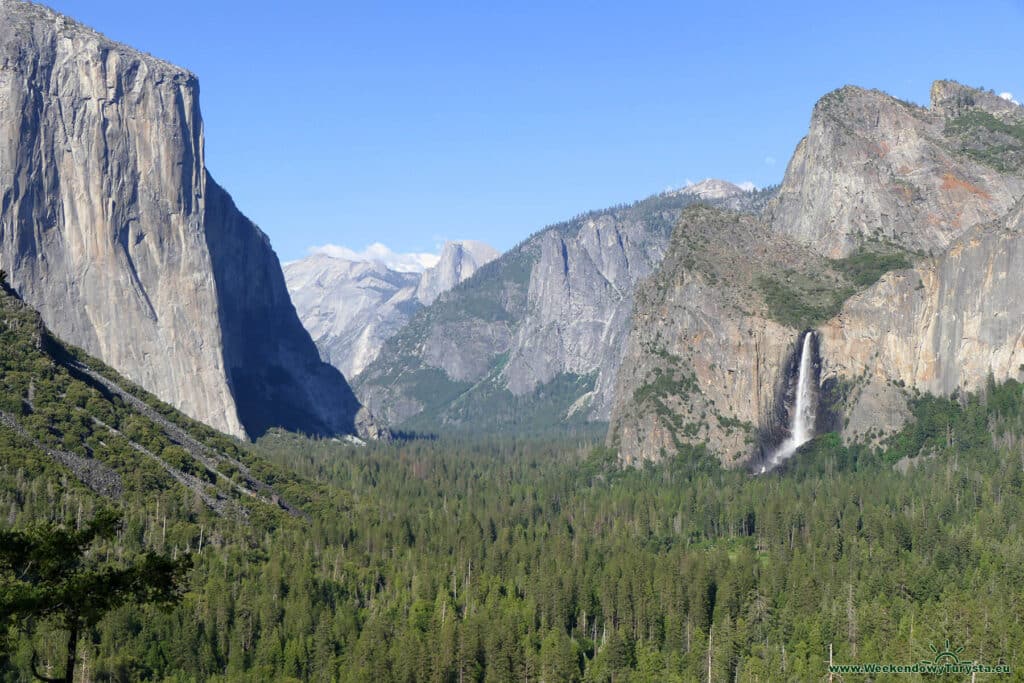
(410, 122)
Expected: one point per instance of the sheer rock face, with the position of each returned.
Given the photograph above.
(873, 166)
(579, 299)
(955, 318)
(705, 357)
(112, 229)
(273, 366)
(543, 325)
(947, 324)
(459, 260)
(351, 308)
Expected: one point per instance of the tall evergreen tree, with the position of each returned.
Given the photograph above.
(46, 573)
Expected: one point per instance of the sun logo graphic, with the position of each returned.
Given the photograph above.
(948, 655)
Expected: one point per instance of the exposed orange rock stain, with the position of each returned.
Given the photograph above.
(904, 192)
(951, 182)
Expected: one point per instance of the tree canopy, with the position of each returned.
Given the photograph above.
(47, 572)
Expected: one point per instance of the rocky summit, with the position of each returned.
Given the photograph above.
(112, 227)
(351, 307)
(893, 239)
(459, 260)
(875, 167)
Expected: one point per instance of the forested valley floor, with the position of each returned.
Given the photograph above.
(506, 560)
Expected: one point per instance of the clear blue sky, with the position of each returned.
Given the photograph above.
(407, 122)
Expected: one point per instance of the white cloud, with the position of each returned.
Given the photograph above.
(1008, 96)
(747, 186)
(412, 262)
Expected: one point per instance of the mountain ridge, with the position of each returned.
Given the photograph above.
(870, 162)
(534, 337)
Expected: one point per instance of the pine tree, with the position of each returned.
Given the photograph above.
(47, 575)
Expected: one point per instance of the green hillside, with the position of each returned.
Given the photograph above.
(60, 407)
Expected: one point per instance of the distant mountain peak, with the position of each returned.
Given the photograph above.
(382, 254)
(480, 250)
(352, 302)
(712, 188)
(459, 260)
(532, 341)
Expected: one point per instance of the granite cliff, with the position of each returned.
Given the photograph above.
(112, 228)
(949, 323)
(533, 340)
(351, 308)
(895, 236)
(873, 166)
(459, 260)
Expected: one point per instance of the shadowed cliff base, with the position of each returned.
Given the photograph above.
(274, 371)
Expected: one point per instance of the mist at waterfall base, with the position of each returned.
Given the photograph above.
(801, 424)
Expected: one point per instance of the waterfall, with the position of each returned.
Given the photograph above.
(801, 423)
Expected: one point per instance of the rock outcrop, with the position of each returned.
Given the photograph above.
(874, 167)
(931, 195)
(533, 340)
(947, 324)
(579, 301)
(112, 228)
(459, 260)
(351, 308)
(705, 357)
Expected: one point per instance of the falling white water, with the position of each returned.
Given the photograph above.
(801, 427)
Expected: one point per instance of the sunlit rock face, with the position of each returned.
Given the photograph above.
(351, 307)
(875, 167)
(113, 229)
(706, 358)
